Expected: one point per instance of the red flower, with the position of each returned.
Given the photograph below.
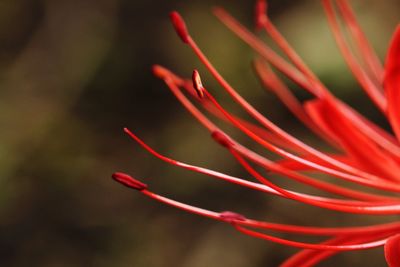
(370, 156)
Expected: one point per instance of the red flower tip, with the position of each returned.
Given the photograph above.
(222, 138)
(180, 26)
(160, 71)
(260, 13)
(197, 84)
(231, 217)
(129, 181)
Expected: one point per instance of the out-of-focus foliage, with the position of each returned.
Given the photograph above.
(73, 73)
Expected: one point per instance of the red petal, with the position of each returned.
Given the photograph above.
(392, 82)
(366, 153)
(392, 251)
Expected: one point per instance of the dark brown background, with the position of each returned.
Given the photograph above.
(73, 73)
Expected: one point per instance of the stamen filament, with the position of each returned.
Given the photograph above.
(268, 164)
(286, 242)
(366, 83)
(376, 133)
(232, 217)
(248, 184)
(268, 124)
(368, 53)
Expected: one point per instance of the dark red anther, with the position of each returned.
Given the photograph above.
(231, 217)
(222, 138)
(129, 181)
(197, 84)
(180, 26)
(260, 13)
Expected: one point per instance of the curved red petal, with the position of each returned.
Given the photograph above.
(392, 82)
(392, 251)
(366, 153)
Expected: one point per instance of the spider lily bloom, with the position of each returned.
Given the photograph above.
(369, 155)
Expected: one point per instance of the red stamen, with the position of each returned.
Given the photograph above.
(366, 245)
(160, 72)
(264, 51)
(365, 81)
(338, 190)
(222, 138)
(261, 187)
(164, 74)
(129, 181)
(296, 166)
(276, 168)
(190, 107)
(368, 53)
(180, 26)
(267, 123)
(197, 84)
(232, 217)
(295, 58)
(359, 176)
(372, 155)
(389, 208)
(379, 135)
(271, 81)
(260, 13)
(310, 258)
(263, 133)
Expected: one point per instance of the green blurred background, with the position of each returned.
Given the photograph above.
(74, 73)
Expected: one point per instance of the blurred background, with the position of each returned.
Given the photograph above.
(74, 73)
